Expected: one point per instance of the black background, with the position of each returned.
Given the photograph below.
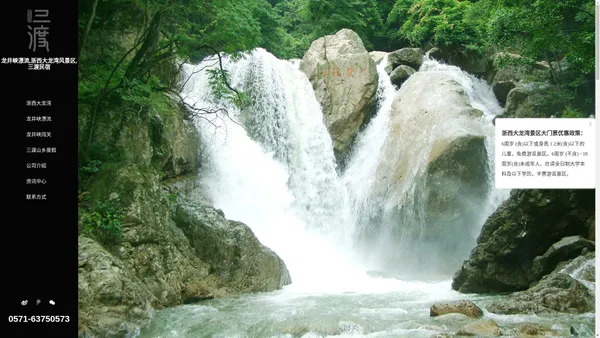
(39, 237)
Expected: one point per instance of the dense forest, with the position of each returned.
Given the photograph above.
(191, 29)
(129, 50)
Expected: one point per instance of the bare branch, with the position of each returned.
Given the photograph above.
(196, 111)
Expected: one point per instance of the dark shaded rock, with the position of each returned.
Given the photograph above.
(591, 226)
(563, 250)
(556, 292)
(501, 90)
(531, 99)
(435, 53)
(465, 307)
(412, 57)
(523, 227)
(196, 299)
(481, 328)
(401, 74)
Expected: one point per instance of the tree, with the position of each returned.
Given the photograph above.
(361, 16)
(443, 23)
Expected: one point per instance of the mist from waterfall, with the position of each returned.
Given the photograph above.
(385, 234)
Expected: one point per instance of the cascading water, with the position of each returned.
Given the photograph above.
(277, 173)
(386, 234)
(359, 175)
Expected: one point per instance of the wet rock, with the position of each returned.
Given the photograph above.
(344, 77)
(452, 317)
(556, 292)
(563, 250)
(523, 227)
(401, 74)
(529, 330)
(465, 307)
(443, 335)
(412, 57)
(174, 145)
(378, 56)
(482, 328)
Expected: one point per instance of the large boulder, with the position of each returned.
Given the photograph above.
(231, 249)
(531, 99)
(344, 77)
(401, 74)
(433, 171)
(523, 227)
(411, 57)
(569, 288)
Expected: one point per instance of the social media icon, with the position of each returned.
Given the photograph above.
(37, 302)
(51, 302)
(24, 302)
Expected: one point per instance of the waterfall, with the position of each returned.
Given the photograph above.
(389, 214)
(271, 165)
(359, 175)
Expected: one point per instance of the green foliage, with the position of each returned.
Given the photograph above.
(362, 16)
(91, 167)
(218, 81)
(453, 24)
(172, 201)
(548, 30)
(103, 221)
(570, 112)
